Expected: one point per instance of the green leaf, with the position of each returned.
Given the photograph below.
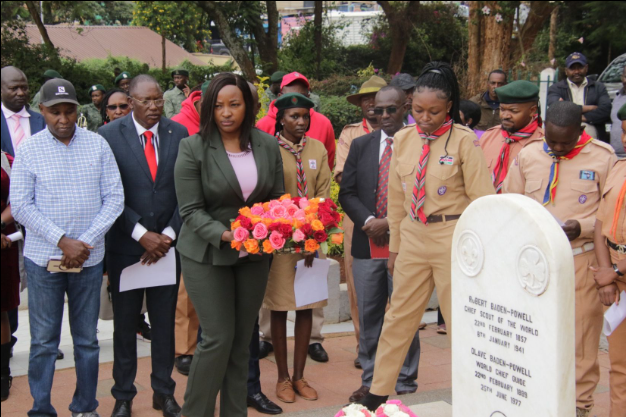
(324, 246)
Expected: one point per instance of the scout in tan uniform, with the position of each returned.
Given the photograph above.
(365, 100)
(520, 126)
(307, 174)
(436, 172)
(610, 276)
(566, 173)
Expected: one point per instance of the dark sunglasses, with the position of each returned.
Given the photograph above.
(379, 111)
(113, 107)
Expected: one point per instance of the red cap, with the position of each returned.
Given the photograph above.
(293, 76)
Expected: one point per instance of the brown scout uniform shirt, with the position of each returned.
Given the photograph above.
(315, 163)
(610, 193)
(492, 140)
(450, 187)
(576, 198)
(348, 134)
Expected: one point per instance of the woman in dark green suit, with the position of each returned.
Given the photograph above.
(228, 165)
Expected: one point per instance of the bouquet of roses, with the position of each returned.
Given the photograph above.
(354, 410)
(394, 408)
(287, 225)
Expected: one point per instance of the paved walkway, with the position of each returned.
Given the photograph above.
(335, 381)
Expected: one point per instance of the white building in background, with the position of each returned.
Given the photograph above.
(357, 26)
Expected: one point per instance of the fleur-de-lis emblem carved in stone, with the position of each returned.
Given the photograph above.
(532, 270)
(470, 253)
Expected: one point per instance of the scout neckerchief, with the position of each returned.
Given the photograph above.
(419, 189)
(367, 130)
(502, 166)
(619, 206)
(303, 190)
(550, 194)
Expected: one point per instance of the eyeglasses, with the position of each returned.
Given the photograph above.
(379, 111)
(147, 103)
(113, 107)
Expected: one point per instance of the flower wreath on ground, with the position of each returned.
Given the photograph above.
(392, 408)
(287, 225)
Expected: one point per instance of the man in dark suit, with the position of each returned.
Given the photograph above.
(363, 196)
(145, 147)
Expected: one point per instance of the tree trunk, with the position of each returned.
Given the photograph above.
(34, 14)
(554, 20)
(317, 23)
(400, 16)
(267, 42)
(164, 64)
(489, 44)
(230, 38)
(537, 16)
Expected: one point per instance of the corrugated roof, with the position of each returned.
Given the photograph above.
(137, 42)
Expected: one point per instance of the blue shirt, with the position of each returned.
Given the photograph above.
(61, 190)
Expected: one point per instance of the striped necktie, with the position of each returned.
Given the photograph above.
(303, 190)
(18, 132)
(382, 191)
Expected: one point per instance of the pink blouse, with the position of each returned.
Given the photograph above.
(245, 168)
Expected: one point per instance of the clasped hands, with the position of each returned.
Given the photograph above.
(75, 252)
(156, 246)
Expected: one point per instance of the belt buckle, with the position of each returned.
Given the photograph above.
(621, 249)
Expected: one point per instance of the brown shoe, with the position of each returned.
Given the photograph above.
(441, 329)
(285, 392)
(303, 389)
(422, 326)
(359, 394)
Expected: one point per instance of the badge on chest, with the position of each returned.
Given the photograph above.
(312, 163)
(587, 175)
(446, 160)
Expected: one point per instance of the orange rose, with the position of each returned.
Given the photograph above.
(310, 218)
(311, 245)
(285, 197)
(266, 206)
(267, 222)
(235, 225)
(235, 245)
(245, 212)
(317, 225)
(252, 246)
(336, 238)
(297, 224)
(267, 247)
(255, 220)
(313, 208)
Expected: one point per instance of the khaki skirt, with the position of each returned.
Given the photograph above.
(280, 294)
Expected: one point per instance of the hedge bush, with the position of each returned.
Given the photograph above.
(339, 112)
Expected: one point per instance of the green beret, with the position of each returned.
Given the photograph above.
(52, 74)
(518, 92)
(180, 71)
(123, 76)
(292, 101)
(277, 77)
(205, 86)
(621, 113)
(97, 87)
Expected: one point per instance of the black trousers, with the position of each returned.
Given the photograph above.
(161, 303)
(254, 371)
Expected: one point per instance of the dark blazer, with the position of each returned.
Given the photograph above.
(595, 95)
(357, 194)
(150, 203)
(210, 197)
(37, 124)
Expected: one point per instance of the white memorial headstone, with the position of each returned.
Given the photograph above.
(513, 312)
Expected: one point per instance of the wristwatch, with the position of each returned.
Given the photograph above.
(3, 225)
(617, 271)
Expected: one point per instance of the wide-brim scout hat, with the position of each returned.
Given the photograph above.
(58, 91)
(520, 91)
(123, 76)
(97, 87)
(370, 86)
(180, 71)
(293, 101)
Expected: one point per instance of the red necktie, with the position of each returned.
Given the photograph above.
(383, 181)
(150, 154)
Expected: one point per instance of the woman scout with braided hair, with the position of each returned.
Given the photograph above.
(436, 172)
(307, 175)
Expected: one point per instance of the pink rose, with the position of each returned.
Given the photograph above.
(277, 240)
(298, 236)
(287, 202)
(241, 234)
(274, 203)
(304, 203)
(278, 212)
(260, 231)
(257, 210)
(292, 210)
(267, 215)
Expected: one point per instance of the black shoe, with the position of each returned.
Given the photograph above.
(183, 363)
(262, 404)
(167, 404)
(264, 349)
(60, 355)
(372, 402)
(317, 353)
(7, 381)
(122, 408)
(357, 364)
(144, 331)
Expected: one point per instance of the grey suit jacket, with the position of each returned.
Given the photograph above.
(153, 204)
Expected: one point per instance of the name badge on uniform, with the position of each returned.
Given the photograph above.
(587, 175)
(446, 160)
(404, 187)
(312, 164)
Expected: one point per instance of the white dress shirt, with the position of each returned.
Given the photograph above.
(24, 122)
(139, 229)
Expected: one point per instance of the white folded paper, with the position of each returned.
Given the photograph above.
(615, 315)
(14, 237)
(311, 284)
(147, 276)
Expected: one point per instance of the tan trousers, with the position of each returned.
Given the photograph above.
(187, 324)
(422, 264)
(265, 325)
(348, 227)
(617, 356)
(588, 328)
